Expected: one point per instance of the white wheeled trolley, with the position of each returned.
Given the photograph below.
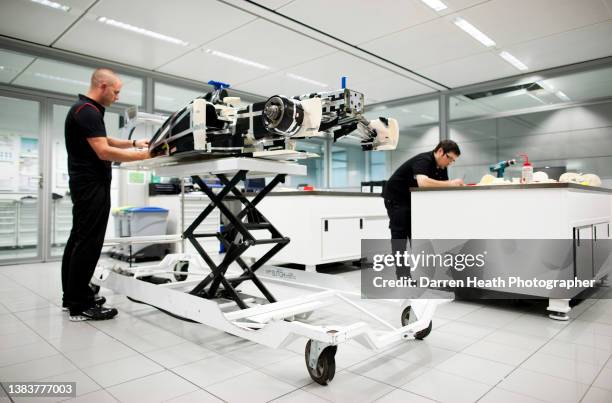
(195, 288)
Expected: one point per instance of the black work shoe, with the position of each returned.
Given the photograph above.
(98, 300)
(95, 313)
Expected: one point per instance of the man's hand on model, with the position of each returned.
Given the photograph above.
(144, 154)
(457, 182)
(142, 143)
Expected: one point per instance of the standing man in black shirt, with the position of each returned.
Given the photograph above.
(90, 153)
(427, 169)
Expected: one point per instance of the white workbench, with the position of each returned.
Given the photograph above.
(535, 211)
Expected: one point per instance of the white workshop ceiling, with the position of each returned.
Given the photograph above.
(365, 38)
(193, 21)
(259, 41)
(33, 22)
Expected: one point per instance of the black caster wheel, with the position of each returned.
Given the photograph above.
(421, 334)
(182, 266)
(326, 364)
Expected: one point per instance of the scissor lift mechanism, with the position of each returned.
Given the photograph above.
(275, 323)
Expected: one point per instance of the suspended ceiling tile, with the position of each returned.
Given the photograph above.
(391, 87)
(260, 42)
(387, 87)
(357, 21)
(34, 22)
(470, 70)
(515, 21)
(566, 48)
(427, 44)
(280, 84)
(330, 69)
(12, 64)
(118, 45)
(200, 20)
(94, 38)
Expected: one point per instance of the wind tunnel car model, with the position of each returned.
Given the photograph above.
(212, 124)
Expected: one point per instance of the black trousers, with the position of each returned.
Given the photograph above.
(90, 209)
(401, 230)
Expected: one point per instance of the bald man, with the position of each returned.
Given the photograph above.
(90, 153)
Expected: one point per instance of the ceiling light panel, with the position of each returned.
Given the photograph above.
(237, 59)
(142, 31)
(52, 4)
(436, 5)
(307, 80)
(513, 61)
(474, 32)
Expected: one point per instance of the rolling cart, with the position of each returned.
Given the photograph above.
(196, 288)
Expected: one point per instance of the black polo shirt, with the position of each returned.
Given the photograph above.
(399, 184)
(85, 120)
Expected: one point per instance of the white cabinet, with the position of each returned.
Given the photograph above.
(8, 223)
(27, 217)
(324, 227)
(340, 238)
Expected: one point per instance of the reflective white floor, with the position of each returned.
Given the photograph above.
(489, 352)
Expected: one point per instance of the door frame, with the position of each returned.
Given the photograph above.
(45, 167)
(42, 161)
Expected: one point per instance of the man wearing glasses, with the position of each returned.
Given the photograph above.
(427, 169)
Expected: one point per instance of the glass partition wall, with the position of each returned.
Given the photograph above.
(564, 124)
(20, 179)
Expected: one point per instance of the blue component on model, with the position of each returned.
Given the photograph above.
(218, 84)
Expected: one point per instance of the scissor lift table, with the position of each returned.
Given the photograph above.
(203, 291)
